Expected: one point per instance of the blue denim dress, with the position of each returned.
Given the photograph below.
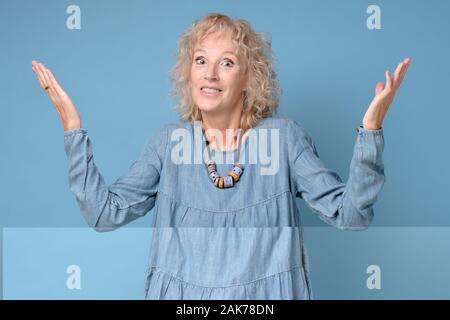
(244, 242)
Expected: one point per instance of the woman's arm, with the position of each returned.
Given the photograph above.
(129, 197)
(350, 205)
(343, 205)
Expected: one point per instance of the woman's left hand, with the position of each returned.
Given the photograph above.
(384, 95)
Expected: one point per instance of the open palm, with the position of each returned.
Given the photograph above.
(63, 104)
(384, 95)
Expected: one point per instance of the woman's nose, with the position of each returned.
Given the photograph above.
(211, 74)
(211, 78)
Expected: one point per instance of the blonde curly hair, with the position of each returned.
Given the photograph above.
(262, 93)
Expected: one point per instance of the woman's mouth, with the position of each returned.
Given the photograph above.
(210, 91)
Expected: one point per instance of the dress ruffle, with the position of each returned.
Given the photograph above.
(285, 285)
(194, 262)
(277, 211)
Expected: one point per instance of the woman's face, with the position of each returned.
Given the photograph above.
(217, 79)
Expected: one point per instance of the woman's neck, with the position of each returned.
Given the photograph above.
(222, 132)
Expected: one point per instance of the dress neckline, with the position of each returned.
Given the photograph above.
(244, 143)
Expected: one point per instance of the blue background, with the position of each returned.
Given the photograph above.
(116, 70)
(112, 265)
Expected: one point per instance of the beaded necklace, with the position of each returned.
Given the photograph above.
(232, 177)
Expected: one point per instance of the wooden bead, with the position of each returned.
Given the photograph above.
(220, 183)
(227, 181)
(234, 176)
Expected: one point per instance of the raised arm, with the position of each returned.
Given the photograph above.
(131, 196)
(343, 205)
(104, 207)
(347, 205)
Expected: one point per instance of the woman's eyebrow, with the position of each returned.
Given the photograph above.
(230, 52)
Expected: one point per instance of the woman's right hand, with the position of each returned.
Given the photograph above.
(63, 104)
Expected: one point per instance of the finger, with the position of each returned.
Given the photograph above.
(55, 92)
(40, 68)
(51, 90)
(397, 72)
(402, 74)
(41, 78)
(33, 63)
(47, 84)
(44, 72)
(53, 82)
(50, 93)
(42, 75)
(379, 87)
(388, 80)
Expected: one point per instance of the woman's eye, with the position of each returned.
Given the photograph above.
(199, 60)
(228, 63)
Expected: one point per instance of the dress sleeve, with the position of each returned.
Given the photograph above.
(131, 196)
(343, 205)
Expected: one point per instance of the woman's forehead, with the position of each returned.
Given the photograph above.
(222, 37)
(215, 41)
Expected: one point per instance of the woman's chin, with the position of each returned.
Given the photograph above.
(209, 108)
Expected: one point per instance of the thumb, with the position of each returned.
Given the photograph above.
(379, 87)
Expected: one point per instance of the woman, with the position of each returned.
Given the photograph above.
(234, 236)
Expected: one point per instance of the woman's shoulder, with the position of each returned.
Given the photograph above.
(292, 134)
(163, 130)
(290, 130)
(287, 126)
(158, 136)
(280, 122)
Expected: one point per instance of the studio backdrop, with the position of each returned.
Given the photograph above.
(114, 59)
